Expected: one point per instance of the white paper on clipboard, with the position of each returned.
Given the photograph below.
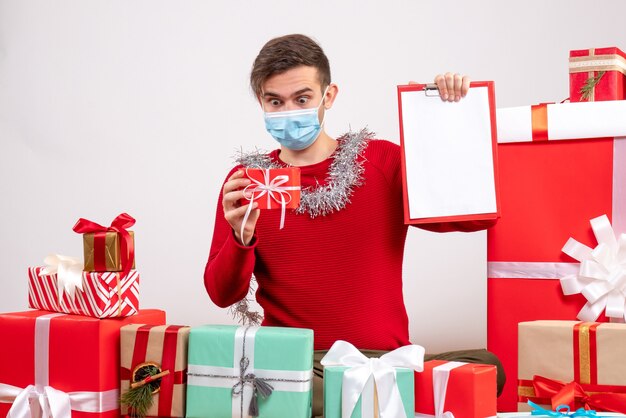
(448, 154)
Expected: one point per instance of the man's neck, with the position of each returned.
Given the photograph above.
(321, 149)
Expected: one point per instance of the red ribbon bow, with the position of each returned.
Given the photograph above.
(119, 225)
(573, 394)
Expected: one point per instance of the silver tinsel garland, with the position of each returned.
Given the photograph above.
(344, 174)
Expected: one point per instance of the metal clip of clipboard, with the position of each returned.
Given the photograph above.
(430, 88)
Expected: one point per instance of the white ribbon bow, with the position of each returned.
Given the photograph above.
(382, 369)
(48, 402)
(69, 271)
(602, 274)
(273, 189)
(51, 403)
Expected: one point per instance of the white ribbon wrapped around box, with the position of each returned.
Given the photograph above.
(372, 381)
(40, 400)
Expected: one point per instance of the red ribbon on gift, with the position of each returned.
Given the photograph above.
(574, 395)
(119, 225)
(168, 362)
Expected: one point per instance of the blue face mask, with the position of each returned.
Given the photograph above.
(295, 129)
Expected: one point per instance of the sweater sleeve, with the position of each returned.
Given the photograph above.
(230, 266)
(390, 163)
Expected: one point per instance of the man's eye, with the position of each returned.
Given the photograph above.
(275, 102)
(302, 100)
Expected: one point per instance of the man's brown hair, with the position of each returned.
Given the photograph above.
(287, 52)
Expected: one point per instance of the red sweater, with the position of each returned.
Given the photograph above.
(339, 274)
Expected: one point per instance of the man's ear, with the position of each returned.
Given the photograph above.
(331, 94)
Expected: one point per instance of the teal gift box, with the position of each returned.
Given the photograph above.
(359, 387)
(333, 382)
(231, 367)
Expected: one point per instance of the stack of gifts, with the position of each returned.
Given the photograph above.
(63, 359)
(107, 288)
(561, 166)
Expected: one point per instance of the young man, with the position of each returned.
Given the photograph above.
(336, 267)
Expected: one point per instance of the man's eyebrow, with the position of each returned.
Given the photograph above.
(297, 93)
(301, 91)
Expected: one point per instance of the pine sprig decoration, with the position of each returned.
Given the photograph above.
(139, 399)
(587, 89)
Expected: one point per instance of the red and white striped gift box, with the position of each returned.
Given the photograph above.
(103, 294)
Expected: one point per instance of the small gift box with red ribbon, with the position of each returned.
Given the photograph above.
(62, 366)
(597, 74)
(108, 248)
(578, 364)
(561, 165)
(154, 356)
(100, 295)
(455, 389)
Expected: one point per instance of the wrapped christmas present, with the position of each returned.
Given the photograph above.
(109, 248)
(597, 74)
(271, 188)
(462, 390)
(154, 370)
(560, 166)
(572, 363)
(63, 286)
(53, 364)
(249, 371)
(359, 387)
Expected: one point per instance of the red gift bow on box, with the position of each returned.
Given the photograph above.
(274, 190)
(574, 395)
(119, 225)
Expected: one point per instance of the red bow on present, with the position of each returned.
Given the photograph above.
(119, 225)
(573, 394)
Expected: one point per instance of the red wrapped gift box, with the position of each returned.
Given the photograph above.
(470, 390)
(62, 355)
(551, 189)
(605, 66)
(103, 295)
(273, 188)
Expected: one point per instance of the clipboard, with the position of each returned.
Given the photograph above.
(449, 154)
